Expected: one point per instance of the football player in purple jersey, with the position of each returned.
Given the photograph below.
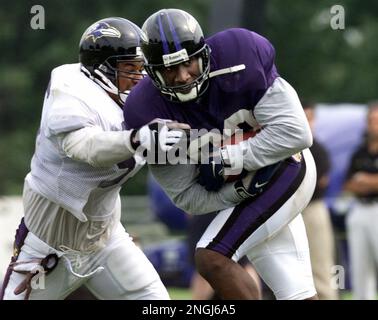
(227, 82)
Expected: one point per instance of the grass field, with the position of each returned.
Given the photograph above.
(184, 294)
(179, 293)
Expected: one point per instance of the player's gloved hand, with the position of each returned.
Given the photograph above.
(31, 268)
(256, 182)
(211, 173)
(158, 135)
(219, 168)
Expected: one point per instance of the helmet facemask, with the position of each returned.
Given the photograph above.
(108, 75)
(196, 88)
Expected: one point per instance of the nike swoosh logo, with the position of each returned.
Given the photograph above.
(259, 185)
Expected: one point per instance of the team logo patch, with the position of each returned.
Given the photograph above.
(102, 29)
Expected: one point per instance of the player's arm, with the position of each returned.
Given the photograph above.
(97, 147)
(285, 129)
(75, 129)
(180, 184)
(105, 148)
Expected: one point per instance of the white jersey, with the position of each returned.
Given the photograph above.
(73, 102)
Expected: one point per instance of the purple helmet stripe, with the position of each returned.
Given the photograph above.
(174, 34)
(163, 38)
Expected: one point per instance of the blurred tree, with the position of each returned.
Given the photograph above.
(28, 56)
(324, 64)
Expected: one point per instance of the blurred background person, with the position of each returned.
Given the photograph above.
(362, 220)
(317, 219)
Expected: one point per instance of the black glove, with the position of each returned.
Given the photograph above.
(211, 174)
(251, 186)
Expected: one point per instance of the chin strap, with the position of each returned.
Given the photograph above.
(107, 85)
(191, 95)
(103, 82)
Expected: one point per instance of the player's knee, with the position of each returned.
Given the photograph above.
(209, 262)
(154, 291)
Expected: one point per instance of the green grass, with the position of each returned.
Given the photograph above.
(184, 294)
(179, 293)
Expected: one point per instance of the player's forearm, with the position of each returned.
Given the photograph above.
(96, 147)
(179, 182)
(196, 200)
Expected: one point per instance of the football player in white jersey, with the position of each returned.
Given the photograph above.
(71, 232)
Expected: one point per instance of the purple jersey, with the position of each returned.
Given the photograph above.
(231, 101)
(227, 93)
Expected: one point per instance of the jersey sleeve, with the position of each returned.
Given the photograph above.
(180, 184)
(285, 129)
(96, 147)
(67, 114)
